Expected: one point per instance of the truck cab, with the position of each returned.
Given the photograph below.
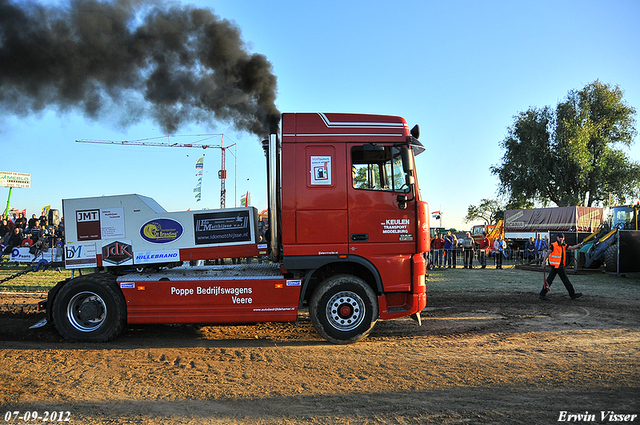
(351, 204)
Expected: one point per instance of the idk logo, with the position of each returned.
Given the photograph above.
(117, 253)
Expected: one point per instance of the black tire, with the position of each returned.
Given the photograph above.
(611, 259)
(89, 309)
(343, 309)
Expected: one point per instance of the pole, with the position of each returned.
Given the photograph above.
(6, 210)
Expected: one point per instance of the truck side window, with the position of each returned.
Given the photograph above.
(377, 168)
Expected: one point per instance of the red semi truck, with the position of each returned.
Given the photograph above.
(347, 234)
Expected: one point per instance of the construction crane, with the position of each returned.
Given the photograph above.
(222, 173)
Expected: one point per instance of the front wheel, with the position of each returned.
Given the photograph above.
(89, 309)
(343, 309)
(611, 259)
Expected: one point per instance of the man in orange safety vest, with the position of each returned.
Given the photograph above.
(557, 256)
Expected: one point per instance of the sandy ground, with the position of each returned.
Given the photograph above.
(481, 356)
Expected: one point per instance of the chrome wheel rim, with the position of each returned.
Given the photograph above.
(86, 311)
(345, 311)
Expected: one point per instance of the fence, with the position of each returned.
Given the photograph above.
(510, 258)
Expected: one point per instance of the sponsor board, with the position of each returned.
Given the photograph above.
(22, 255)
(80, 255)
(222, 227)
(149, 257)
(96, 224)
(161, 230)
(11, 179)
(117, 253)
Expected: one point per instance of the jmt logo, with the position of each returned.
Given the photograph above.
(90, 215)
(117, 253)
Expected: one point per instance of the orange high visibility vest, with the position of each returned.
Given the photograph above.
(558, 255)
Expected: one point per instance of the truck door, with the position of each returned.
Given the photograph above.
(382, 213)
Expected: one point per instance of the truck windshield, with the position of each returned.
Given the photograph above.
(378, 168)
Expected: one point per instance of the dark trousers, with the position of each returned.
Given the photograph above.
(451, 257)
(563, 276)
(482, 257)
(498, 259)
(468, 257)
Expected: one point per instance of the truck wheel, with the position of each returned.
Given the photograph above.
(611, 259)
(343, 309)
(89, 309)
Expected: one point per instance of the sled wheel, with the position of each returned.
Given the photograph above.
(89, 309)
(343, 309)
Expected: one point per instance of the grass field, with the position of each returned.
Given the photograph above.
(39, 281)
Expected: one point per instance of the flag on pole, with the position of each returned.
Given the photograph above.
(198, 188)
(245, 200)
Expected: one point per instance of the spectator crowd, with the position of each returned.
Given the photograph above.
(37, 233)
(446, 248)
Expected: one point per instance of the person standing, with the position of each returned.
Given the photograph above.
(498, 248)
(541, 247)
(482, 247)
(450, 243)
(467, 246)
(557, 255)
(438, 246)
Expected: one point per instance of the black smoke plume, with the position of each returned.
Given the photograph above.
(133, 59)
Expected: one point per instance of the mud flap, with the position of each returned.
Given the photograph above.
(417, 318)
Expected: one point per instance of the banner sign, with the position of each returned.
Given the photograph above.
(23, 255)
(9, 179)
(557, 219)
(222, 227)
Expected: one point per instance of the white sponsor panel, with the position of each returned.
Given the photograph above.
(80, 255)
(112, 223)
(148, 257)
(11, 179)
(22, 255)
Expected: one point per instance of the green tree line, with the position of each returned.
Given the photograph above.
(573, 154)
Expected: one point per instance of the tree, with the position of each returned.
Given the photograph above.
(569, 155)
(489, 210)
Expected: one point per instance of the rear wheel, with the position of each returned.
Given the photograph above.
(89, 308)
(343, 309)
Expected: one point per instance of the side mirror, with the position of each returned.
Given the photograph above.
(407, 160)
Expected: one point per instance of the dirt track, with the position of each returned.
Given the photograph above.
(489, 354)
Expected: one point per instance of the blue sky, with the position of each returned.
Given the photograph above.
(460, 69)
